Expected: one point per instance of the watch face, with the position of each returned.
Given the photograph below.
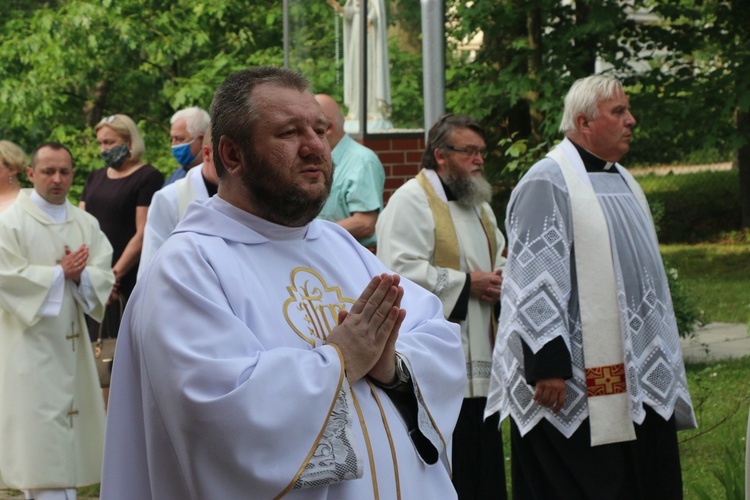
(401, 371)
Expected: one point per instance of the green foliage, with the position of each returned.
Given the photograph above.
(686, 311)
(716, 277)
(712, 455)
(67, 64)
(731, 475)
(696, 207)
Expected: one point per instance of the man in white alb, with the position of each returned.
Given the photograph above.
(587, 361)
(169, 203)
(439, 231)
(55, 266)
(267, 353)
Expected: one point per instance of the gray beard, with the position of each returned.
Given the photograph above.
(469, 190)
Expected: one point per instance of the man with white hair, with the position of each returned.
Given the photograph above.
(587, 360)
(170, 202)
(189, 125)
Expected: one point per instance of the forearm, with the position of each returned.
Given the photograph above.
(130, 256)
(360, 224)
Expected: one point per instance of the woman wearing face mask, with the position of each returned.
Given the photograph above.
(118, 195)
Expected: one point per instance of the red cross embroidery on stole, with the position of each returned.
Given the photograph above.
(606, 380)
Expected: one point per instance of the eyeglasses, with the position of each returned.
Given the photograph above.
(470, 151)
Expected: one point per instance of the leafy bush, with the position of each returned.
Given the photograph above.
(686, 312)
(696, 207)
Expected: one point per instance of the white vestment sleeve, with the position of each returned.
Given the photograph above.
(85, 293)
(51, 306)
(161, 220)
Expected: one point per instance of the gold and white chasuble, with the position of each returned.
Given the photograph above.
(224, 387)
(51, 407)
(435, 242)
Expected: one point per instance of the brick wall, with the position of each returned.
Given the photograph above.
(401, 156)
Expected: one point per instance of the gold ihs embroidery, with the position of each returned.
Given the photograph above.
(313, 307)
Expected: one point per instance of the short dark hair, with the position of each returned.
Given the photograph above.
(440, 132)
(232, 110)
(55, 146)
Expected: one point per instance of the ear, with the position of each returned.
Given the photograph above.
(582, 122)
(230, 154)
(440, 158)
(30, 174)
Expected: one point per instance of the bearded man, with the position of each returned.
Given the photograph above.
(267, 353)
(439, 231)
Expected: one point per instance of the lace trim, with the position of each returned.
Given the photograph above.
(335, 458)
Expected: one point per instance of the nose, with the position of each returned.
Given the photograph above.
(630, 120)
(313, 144)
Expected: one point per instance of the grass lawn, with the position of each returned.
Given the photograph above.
(716, 276)
(715, 452)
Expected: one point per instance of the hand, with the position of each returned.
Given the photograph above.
(113, 295)
(73, 263)
(384, 370)
(371, 326)
(550, 392)
(485, 286)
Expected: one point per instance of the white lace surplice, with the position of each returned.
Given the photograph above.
(540, 303)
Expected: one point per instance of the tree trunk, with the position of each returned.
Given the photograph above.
(94, 108)
(586, 44)
(534, 65)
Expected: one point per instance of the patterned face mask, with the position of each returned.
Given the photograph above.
(115, 157)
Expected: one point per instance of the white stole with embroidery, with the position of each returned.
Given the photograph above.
(608, 398)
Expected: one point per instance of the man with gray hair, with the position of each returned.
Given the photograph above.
(189, 125)
(587, 361)
(439, 231)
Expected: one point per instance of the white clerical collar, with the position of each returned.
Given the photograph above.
(56, 213)
(273, 232)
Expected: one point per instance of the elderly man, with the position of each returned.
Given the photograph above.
(356, 196)
(55, 266)
(588, 361)
(188, 128)
(268, 354)
(439, 230)
(169, 203)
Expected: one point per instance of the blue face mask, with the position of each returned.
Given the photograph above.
(182, 153)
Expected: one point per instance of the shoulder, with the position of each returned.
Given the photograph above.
(361, 152)
(165, 196)
(96, 175)
(150, 172)
(409, 190)
(409, 196)
(545, 170)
